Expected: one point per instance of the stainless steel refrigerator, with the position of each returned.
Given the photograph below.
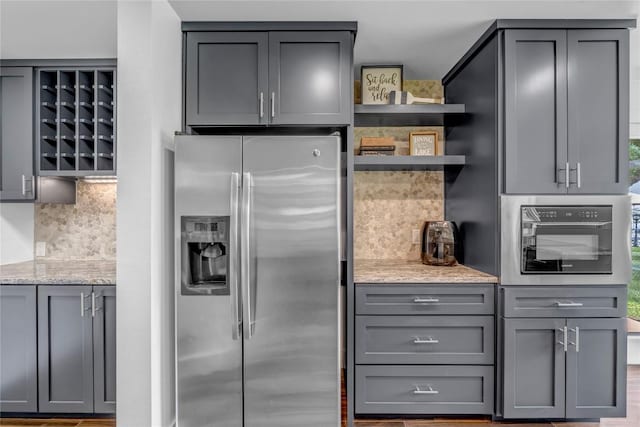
(257, 248)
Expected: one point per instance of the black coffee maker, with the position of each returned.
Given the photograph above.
(439, 243)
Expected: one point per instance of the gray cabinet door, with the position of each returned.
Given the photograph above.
(310, 76)
(535, 118)
(534, 368)
(596, 368)
(598, 120)
(18, 363)
(565, 301)
(104, 349)
(425, 340)
(422, 299)
(65, 349)
(226, 78)
(421, 390)
(16, 134)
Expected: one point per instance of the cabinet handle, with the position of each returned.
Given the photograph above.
(273, 104)
(81, 304)
(564, 342)
(419, 300)
(577, 343)
(261, 104)
(579, 174)
(418, 390)
(568, 304)
(429, 340)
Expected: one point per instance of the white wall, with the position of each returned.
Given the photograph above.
(16, 232)
(57, 29)
(149, 88)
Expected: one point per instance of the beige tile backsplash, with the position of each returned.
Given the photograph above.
(388, 206)
(86, 230)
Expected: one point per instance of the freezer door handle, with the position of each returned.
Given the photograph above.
(248, 307)
(236, 321)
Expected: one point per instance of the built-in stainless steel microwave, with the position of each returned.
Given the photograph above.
(565, 240)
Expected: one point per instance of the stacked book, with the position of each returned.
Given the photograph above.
(377, 146)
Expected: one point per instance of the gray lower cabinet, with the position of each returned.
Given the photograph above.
(419, 390)
(534, 368)
(566, 110)
(596, 368)
(424, 349)
(268, 77)
(65, 349)
(424, 339)
(104, 349)
(16, 134)
(76, 349)
(564, 368)
(18, 349)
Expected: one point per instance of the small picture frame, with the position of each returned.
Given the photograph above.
(423, 143)
(378, 80)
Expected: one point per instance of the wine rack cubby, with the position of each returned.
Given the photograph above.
(76, 122)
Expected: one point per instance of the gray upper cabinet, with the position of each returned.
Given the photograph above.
(566, 111)
(596, 368)
(310, 77)
(65, 349)
(104, 349)
(535, 110)
(18, 348)
(534, 368)
(226, 78)
(268, 77)
(16, 134)
(598, 122)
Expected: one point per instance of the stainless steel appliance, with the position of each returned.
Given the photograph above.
(439, 243)
(257, 287)
(565, 240)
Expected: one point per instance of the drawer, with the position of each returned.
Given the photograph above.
(424, 340)
(421, 299)
(424, 390)
(565, 301)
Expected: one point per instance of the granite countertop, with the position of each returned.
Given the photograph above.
(399, 271)
(59, 272)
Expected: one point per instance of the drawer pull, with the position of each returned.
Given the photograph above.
(568, 304)
(418, 340)
(419, 300)
(418, 390)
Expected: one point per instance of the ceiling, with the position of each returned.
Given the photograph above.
(427, 36)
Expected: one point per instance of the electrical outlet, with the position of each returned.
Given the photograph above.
(415, 236)
(41, 249)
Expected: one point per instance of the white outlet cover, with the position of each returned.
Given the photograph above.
(415, 236)
(41, 249)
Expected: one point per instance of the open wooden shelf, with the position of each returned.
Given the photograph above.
(382, 163)
(408, 115)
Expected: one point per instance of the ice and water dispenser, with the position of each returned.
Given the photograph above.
(205, 259)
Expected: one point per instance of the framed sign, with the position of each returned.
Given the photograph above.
(423, 143)
(378, 80)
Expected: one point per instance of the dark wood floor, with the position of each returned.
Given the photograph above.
(632, 420)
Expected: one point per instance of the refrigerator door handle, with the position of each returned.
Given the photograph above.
(248, 307)
(233, 258)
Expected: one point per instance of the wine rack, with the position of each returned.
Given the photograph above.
(76, 122)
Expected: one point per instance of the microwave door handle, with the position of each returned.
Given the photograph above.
(234, 291)
(248, 307)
